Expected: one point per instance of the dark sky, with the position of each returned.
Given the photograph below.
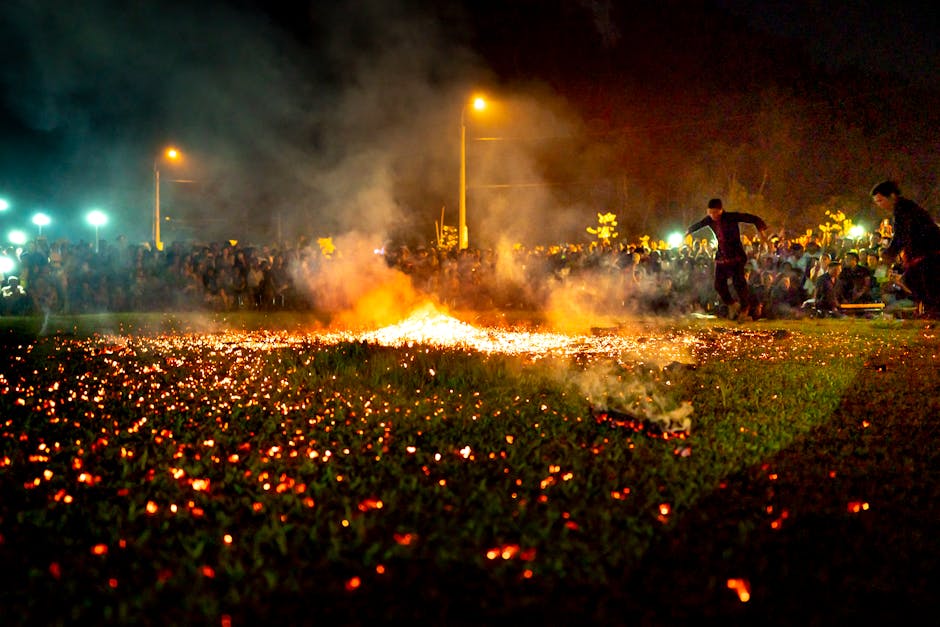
(321, 118)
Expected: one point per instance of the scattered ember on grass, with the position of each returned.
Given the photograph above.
(510, 551)
(124, 386)
(742, 587)
(369, 504)
(405, 539)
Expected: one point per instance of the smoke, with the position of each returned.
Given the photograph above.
(354, 285)
(347, 130)
(353, 126)
(637, 393)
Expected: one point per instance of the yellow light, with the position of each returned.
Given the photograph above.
(479, 103)
(172, 153)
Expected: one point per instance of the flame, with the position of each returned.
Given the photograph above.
(427, 325)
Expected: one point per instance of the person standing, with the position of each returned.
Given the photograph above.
(917, 239)
(730, 259)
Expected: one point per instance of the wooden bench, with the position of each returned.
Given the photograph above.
(861, 307)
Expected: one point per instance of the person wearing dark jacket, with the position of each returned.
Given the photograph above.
(917, 239)
(730, 258)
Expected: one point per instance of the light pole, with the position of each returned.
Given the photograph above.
(172, 154)
(17, 237)
(96, 218)
(41, 220)
(463, 237)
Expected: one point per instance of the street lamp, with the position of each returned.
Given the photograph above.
(17, 237)
(6, 265)
(463, 237)
(171, 154)
(4, 204)
(96, 218)
(41, 220)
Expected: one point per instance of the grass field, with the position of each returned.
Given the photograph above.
(246, 470)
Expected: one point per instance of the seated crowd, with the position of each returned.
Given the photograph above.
(788, 278)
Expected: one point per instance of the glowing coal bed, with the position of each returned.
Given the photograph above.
(620, 371)
(626, 373)
(429, 327)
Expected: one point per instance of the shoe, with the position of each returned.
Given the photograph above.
(733, 310)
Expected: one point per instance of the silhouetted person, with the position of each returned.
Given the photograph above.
(917, 237)
(855, 282)
(827, 296)
(730, 258)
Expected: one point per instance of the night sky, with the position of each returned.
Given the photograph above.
(313, 119)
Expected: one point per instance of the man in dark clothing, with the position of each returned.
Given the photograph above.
(855, 282)
(826, 299)
(917, 238)
(730, 258)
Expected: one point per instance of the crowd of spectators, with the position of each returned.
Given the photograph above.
(788, 277)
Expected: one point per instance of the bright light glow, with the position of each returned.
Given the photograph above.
(675, 240)
(4, 204)
(96, 218)
(479, 103)
(6, 264)
(857, 231)
(17, 237)
(41, 220)
(172, 153)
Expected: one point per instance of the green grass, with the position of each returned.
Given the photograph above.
(362, 483)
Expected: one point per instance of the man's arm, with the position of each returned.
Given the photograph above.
(750, 218)
(698, 225)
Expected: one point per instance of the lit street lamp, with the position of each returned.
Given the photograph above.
(856, 233)
(463, 237)
(172, 154)
(4, 204)
(17, 237)
(6, 265)
(41, 220)
(96, 218)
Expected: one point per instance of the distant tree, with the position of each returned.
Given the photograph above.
(605, 231)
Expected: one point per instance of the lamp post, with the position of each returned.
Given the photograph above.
(172, 154)
(17, 237)
(41, 220)
(463, 237)
(96, 218)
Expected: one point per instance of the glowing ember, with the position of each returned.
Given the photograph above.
(428, 326)
(742, 587)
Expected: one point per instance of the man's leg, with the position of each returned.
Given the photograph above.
(923, 280)
(741, 287)
(722, 275)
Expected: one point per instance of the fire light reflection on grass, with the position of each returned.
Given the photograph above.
(179, 414)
